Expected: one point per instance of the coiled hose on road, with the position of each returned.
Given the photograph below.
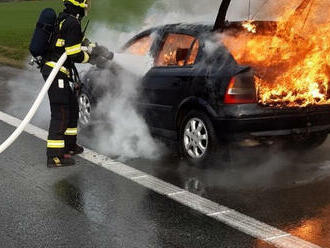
(35, 105)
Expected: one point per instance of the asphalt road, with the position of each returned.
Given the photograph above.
(89, 206)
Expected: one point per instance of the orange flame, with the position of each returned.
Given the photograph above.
(292, 61)
(250, 26)
(141, 47)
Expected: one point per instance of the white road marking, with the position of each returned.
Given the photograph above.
(176, 193)
(138, 177)
(216, 213)
(211, 209)
(277, 237)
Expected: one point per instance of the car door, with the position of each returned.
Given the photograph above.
(164, 85)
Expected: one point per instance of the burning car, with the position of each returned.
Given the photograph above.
(247, 82)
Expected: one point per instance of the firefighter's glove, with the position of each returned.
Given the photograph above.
(86, 42)
(88, 46)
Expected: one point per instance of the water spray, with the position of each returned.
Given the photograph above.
(35, 105)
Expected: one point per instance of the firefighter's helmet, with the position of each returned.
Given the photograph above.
(84, 4)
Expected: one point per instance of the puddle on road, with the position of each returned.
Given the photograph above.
(316, 173)
(325, 166)
(314, 229)
(69, 194)
(275, 171)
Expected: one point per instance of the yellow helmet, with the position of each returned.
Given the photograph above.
(84, 4)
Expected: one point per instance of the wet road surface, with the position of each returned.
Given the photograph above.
(88, 206)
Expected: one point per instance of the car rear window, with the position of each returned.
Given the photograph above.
(140, 47)
(178, 50)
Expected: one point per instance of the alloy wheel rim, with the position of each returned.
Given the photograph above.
(84, 109)
(195, 138)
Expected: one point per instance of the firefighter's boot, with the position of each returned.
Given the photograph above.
(75, 150)
(57, 162)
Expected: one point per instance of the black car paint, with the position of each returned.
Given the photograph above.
(169, 90)
(169, 93)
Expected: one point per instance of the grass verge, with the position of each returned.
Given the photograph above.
(18, 19)
(17, 22)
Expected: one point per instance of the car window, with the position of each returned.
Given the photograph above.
(140, 47)
(178, 50)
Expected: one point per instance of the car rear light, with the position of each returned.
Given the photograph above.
(241, 89)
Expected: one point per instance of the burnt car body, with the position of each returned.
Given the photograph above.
(201, 98)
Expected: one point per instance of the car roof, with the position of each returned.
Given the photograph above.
(185, 28)
(188, 28)
(195, 29)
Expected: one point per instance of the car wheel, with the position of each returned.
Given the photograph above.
(311, 141)
(85, 109)
(198, 141)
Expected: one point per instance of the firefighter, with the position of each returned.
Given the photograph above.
(62, 136)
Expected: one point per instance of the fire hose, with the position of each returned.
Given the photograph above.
(35, 105)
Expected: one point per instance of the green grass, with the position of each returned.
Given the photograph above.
(18, 19)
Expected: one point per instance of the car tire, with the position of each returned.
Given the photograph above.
(85, 109)
(309, 142)
(197, 139)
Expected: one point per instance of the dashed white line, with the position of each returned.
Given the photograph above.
(277, 237)
(176, 193)
(211, 209)
(216, 213)
(138, 177)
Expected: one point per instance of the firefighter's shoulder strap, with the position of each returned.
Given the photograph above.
(56, 39)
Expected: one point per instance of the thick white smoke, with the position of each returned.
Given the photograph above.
(196, 11)
(23, 89)
(124, 133)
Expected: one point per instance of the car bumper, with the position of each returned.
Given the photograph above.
(275, 124)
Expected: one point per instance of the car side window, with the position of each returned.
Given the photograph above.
(141, 46)
(178, 50)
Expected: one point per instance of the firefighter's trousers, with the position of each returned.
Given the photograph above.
(62, 135)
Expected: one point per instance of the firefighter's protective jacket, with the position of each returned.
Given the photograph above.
(68, 39)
